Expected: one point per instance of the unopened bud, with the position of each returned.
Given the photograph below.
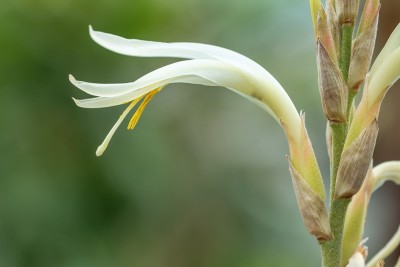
(315, 6)
(332, 86)
(312, 207)
(324, 34)
(363, 48)
(370, 12)
(331, 2)
(332, 22)
(355, 218)
(347, 10)
(355, 161)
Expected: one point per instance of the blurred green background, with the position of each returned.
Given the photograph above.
(202, 180)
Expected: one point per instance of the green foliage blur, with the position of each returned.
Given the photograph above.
(201, 181)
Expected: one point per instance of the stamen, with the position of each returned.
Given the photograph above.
(136, 116)
(100, 150)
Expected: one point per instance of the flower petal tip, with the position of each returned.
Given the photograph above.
(72, 79)
(77, 101)
(91, 31)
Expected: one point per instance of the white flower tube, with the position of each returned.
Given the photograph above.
(260, 82)
(210, 65)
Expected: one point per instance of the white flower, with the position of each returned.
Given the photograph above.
(207, 65)
(358, 258)
(214, 66)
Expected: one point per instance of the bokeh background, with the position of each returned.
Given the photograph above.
(202, 180)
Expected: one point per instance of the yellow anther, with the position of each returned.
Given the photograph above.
(136, 116)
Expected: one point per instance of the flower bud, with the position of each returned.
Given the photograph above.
(331, 2)
(363, 48)
(355, 218)
(309, 187)
(332, 22)
(324, 34)
(312, 207)
(347, 10)
(332, 86)
(355, 161)
(315, 6)
(371, 10)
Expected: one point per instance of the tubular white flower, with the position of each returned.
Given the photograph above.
(357, 260)
(214, 66)
(209, 65)
(260, 81)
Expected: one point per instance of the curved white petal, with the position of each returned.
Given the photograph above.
(211, 66)
(391, 45)
(190, 71)
(199, 71)
(141, 48)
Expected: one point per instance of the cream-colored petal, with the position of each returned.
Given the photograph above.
(141, 48)
(199, 71)
(384, 76)
(263, 86)
(391, 45)
(190, 71)
(263, 92)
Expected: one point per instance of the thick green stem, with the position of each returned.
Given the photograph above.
(350, 104)
(345, 49)
(338, 139)
(331, 249)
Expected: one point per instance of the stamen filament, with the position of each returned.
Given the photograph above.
(100, 150)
